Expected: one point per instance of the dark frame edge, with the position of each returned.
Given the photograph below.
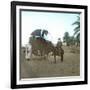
(86, 44)
(13, 45)
(50, 84)
(44, 4)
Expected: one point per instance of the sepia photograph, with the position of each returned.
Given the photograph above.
(49, 44)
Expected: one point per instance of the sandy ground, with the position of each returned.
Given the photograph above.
(37, 67)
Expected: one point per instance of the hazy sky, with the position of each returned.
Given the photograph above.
(56, 24)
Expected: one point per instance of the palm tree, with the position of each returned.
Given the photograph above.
(72, 40)
(77, 29)
(66, 38)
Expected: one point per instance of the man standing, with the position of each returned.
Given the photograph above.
(59, 43)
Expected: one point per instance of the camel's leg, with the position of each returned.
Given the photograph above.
(61, 57)
(62, 53)
(54, 58)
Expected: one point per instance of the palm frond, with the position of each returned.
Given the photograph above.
(78, 18)
(76, 23)
(77, 28)
(78, 35)
(77, 31)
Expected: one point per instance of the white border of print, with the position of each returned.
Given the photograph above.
(51, 79)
